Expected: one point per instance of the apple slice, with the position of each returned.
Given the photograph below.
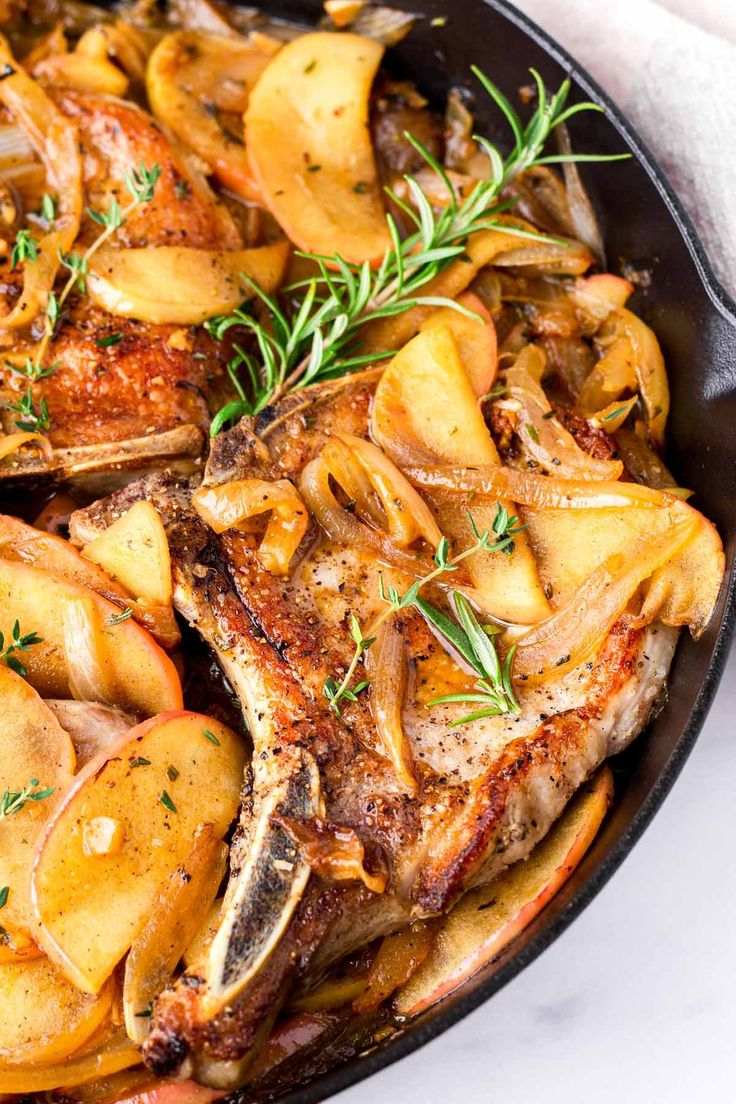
(184, 903)
(199, 946)
(43, 1017)
(179, 1092)
(158, 783)
(191, 72)
(34, 747)
(142, 677)
(114, 1054)
(26, 544)
(135, 551)
(486, 920)
(309, 144)
(475, 339)
(19, 541)
(154, 283)
(425, 409)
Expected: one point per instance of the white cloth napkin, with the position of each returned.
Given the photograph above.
(670, 65)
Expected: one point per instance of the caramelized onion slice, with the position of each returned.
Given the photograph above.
(543, 437)
(86, 652)
(387, 666)
(182, 906)
(13, 441)
(646, 363)
(612, 375)
(56, 140)
(399, 955)
(543, 492)
(344, 528)
(232, 505)
(407, 514)
(334, 851)
(572, 634)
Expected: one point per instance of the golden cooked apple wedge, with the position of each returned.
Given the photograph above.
(26, 544)
(307, 137)
(195, 81)
(475, 338)
(425, 409)
(486, 920)
(135, 551)
(90, 1062)
(85, 640)
(123, 829)
(43, 1017)
(184, 903)
(32, 741)
(154, 284)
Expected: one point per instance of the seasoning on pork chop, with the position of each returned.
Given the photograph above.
(488, 790)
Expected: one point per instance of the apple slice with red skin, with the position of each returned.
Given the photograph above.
(93, 890)
(142, 678)
(176, 1092)
(34, 746)
(27, 544)
(486, 920)
(475, 339)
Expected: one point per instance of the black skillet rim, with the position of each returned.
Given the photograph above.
(413, 1037)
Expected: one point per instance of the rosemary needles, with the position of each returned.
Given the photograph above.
(319, 339)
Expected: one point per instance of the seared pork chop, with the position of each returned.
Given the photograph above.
(126, 394)
(487, 791)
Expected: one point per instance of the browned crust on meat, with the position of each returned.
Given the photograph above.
(463, 842)
(116, 136)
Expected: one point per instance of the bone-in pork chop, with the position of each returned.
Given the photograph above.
(487, 790)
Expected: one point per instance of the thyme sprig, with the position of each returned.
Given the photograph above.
(500, 538)
(24, 249)
(12, 801)
(19, 642)
(140, 183)
(30, 419)
(493, 690)
(319, 339)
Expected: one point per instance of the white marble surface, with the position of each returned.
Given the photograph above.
(635, 1001)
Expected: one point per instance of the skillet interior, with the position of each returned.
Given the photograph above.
(695, 321)
(643, 224)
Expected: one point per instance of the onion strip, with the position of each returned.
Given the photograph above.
(232, 505)
(13, 441)
(544, 492)
(571, 635)
(388, 669)
(85, 651)
(544, 439)
(407, 514)
(344, 528)
(56, 140)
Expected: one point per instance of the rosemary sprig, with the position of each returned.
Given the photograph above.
(12, 801)
(19, 642)
(493, 690)
(319, 340)
(500, 538)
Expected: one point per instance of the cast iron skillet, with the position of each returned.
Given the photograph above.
(695, 320)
